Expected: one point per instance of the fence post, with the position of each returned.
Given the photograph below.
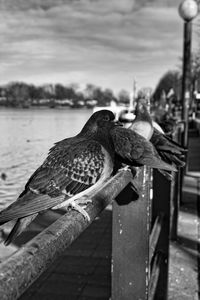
(175, 203)
(161, 206)
(176, 190)
(130, 243)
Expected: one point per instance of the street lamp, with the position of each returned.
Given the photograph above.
(188, 10)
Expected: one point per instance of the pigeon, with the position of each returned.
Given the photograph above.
(74, 167)
(133, 149)
(142, 124)
(169, 151)
(167, 123)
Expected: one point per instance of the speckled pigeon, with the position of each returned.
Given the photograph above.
(74, 167)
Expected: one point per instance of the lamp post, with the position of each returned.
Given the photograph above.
(188, 10)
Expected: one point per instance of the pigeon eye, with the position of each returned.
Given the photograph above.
(106, 118)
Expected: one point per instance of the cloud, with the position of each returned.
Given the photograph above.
(105, 42)
(103, 6)
(120, 6)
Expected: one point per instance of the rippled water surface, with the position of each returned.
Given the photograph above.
(25, 138)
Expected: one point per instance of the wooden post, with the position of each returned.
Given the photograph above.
(130, 244)
(161, 206)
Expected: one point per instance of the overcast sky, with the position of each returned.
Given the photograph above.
(105, 42)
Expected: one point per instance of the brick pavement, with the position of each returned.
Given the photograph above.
(84, 271)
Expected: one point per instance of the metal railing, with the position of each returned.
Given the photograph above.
(140, 239)
(141, 232)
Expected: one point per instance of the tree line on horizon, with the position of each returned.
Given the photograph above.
(21, 94)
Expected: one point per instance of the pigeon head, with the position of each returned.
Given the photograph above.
(141, 106)
(141, 110)
(100, 121)
(103, 115)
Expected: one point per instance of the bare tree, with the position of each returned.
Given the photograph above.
(170, 80)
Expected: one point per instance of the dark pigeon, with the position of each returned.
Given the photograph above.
(134, 150)
(74, 167)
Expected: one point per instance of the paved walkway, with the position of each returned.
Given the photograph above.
(185, 252)
(84, 271)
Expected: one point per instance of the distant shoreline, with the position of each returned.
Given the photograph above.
(44, 107)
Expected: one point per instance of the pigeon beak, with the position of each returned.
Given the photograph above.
(118, 123)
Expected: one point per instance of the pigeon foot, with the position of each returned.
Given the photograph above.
(77, 204)
(81, 208)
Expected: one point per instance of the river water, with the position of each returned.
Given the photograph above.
(25, 138)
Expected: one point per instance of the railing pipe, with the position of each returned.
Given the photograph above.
(20, 270)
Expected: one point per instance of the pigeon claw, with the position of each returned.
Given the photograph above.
(77, 204)
(83, 201)
(81, 209)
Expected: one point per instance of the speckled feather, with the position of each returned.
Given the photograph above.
(66, 171)
(73, 168)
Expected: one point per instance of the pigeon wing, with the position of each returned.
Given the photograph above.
(135, 150)
(169, 150)
(166, 144)
(65, 172)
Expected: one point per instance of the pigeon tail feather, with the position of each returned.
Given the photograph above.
(24, 207)
(19, 226)
(167, 175)
(160, 164)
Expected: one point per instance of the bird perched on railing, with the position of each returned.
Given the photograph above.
(143, 123)
(169, 151)
(133, 149)
(168, 123)
(77, 167)
(74, 166)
